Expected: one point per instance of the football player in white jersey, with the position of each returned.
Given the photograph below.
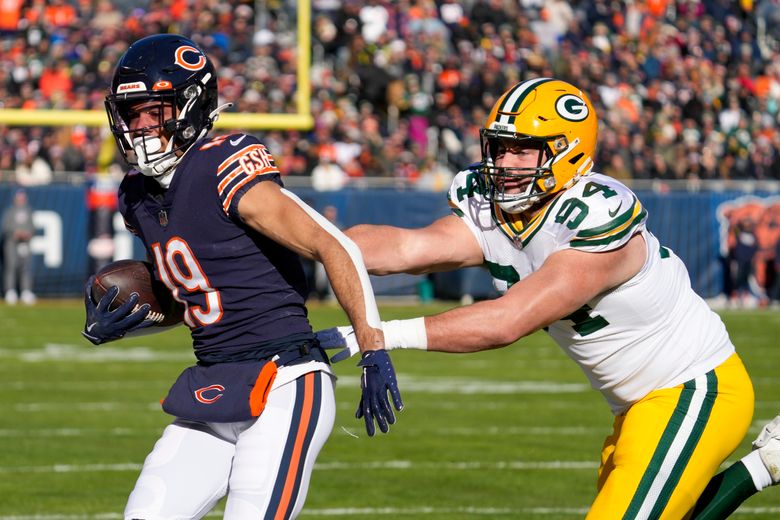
(570, 251)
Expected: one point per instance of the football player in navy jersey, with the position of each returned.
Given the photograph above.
(224, 236)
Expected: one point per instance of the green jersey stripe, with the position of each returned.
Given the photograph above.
(506, 273)
(547, 213)
(453, 207)
(609, 226)
(518, 231)
(502, 222)
(611, 238)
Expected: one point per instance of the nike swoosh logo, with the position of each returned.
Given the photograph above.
(613, 213)
(91, 326)
(235, 142)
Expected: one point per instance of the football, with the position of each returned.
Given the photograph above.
(134, 276)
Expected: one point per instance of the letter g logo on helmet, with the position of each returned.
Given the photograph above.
(571, 108)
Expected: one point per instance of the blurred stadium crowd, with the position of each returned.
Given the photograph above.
(684, 89)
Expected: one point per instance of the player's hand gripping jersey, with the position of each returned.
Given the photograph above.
(242, 290)
(626, 348)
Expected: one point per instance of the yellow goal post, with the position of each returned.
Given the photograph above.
(300, 120)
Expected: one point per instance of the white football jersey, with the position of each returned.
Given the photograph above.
(651, 332)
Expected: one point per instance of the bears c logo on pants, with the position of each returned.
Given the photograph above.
(202, 397)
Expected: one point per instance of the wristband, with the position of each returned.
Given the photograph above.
(405, 334)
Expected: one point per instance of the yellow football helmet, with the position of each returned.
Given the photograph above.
(552, 115)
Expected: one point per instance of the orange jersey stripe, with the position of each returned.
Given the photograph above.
(230, 160)
(228, 179)
(229, 196)
(295, 460)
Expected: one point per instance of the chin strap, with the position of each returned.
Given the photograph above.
(164, 179)
(154, 163)
(214, 115)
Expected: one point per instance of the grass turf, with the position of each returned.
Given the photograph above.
(511, 433)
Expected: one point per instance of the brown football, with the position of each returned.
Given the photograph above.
(134, 276)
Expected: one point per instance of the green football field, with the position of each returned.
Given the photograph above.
(513, 433)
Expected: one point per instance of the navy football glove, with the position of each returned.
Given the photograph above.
(105, 325)
(378, 378)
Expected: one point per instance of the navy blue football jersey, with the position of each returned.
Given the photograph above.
(242, 290)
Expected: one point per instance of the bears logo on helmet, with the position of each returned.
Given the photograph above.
(183, 63)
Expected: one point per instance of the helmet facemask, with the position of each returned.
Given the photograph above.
(551, 116)
(516, 189)
(178, 116)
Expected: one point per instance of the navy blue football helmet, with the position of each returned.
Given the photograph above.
(170, 70)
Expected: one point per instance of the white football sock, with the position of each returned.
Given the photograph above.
(755, 466)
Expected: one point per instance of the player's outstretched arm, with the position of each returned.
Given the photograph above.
(283, 217)
(566, 281)
(444, 245)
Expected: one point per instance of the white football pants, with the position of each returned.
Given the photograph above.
(264, 465)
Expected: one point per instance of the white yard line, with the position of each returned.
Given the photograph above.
(520, 512)
(73, 432)
(460, 432)
(71, 468)
(334, 466)
(469, 386)
(86, 354)
(400, 465)
(105, 406)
